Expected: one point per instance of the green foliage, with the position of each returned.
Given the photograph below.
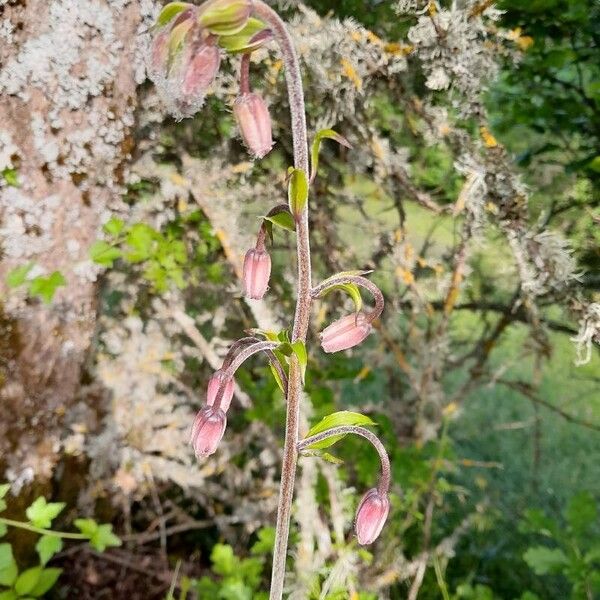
(282, 219)
(553, 93)
(99, 536)
(575, 549)
(316, 147)
(337, 419)
(42, 513)
(40, 286)
(166, 258)
(236, 578)
(10, 176)
(297, 191)
(36, 581)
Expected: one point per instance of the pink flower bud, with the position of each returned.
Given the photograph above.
(257, 270)
(207, 431)
(345, 333)
(200, 71)
(370, 516)
(213, 388)
(254, 122)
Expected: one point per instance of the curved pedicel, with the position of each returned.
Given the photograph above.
(244, 354)
(384, 481)
(359, 281)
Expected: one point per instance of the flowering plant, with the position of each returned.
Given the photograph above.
(184, 60)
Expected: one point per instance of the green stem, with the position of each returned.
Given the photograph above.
(28, 527)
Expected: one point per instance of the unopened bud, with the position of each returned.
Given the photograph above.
(371, 516)
(207, 431)
(254, 122)
(200, 71)
(213, 388)
(345, 333)
(257, 270)
(225, 17)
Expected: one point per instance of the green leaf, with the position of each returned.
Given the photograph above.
(103, 253)
(223, 559)
(8, 566)
(535, 520)
(282, 219)
(235, 590)
(45, 287)
(244, 40)
(316, 147)
(27, 580)
(114, 226)
(8, 595)
(206, 588)
(46, 581)
(297, 192)
(265, 542)
(3, 530)
(349, 288)
(545, 560)
(47, 546)
(10, 176)
(277, 378)
(18, 275)
(100, 536)
(594, 164)
(299, 349)
(581, 512)
(344, 417)
(170, 11)
(141, 239)
(42, 513)
(3, 491)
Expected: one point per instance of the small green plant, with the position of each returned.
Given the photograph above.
(36, 581)
(43, 287)
(232, 577)
(10, 176)
(164, 256)
(571, 550)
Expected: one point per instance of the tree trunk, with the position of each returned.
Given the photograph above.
(68, 80)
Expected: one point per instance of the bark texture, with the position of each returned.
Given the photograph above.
(68, 78)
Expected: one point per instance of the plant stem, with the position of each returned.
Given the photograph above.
(303, 301)
(40, 530)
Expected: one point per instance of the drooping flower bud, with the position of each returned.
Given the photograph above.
(207, 431)
(370, 516)
(225, 17)
(213, 388)
(345, 333)
(257, 270)
(254, 122)
(200, 71)
(184, 59)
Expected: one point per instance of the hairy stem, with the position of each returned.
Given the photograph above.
(301, 317)
(245, 74)
(384, 481)
(236, 363)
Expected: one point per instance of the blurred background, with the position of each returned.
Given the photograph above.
(471, 190)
